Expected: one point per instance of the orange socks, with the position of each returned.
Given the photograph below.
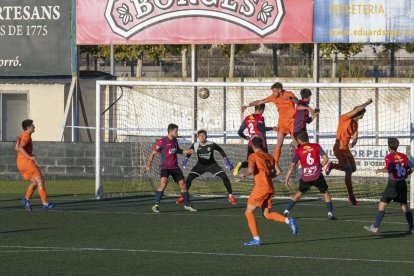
(276, 217)
(30, 191)
(42, 194)
(251, 221)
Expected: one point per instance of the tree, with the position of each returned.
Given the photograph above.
(307, 50)
(346, 49)
(232, 50)
(183, 50)
(390, 48)
(135, 53)
(90, 51)
(409, 47)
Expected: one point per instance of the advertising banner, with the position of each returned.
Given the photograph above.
(35, 37)
(193, 21)
(364, 21)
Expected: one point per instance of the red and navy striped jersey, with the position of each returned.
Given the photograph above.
(301, 117)
(255, 127)
(397, 165)
(309, 155)
(167, 150)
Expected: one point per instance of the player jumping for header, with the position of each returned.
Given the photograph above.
(304, 114)
(398, 168)
(285, 103)
(168, 148)
(347, 129)
(256, 127)
(204, 150)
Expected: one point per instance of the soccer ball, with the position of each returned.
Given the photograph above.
(203, 93)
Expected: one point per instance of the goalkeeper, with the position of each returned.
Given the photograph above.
(206, 163)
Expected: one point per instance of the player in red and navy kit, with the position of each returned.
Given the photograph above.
(168, 148)
(309, 155)
(304, 114)
(256, 127)
(398, 168)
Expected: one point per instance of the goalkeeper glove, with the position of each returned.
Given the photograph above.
(184, 163)
(229, 165)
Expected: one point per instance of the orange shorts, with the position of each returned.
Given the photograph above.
(28, 169)
(345, 158)
(263, 200)
(286, 127)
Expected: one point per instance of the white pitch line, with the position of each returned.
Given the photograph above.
(87, 249)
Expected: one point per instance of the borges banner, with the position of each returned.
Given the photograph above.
(35, 37)
(364, 21)
(193, 21)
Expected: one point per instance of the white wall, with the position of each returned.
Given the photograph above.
(45, 107)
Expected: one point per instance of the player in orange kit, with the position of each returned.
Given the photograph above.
(285, 103)
(261, 164)
(28, 168)
(347, 129)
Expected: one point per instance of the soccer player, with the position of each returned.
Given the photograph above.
(285, 103)
(206, 163)
(255, 126)
(398, 168)
(261, 164)
(347, 129)
(309, 155)
(168, 149)
(302, 113)
(26, 163)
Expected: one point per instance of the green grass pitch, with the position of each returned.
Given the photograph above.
(121, 236)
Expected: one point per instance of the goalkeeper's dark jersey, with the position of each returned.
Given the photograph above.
(205, 153)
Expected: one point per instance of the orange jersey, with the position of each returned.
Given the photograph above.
(346, 128)
(26, 166)
(25, 138)
(286, 108)
(263, 165)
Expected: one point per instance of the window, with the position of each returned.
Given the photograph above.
(13, 112)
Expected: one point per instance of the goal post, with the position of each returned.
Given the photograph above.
(131, 115)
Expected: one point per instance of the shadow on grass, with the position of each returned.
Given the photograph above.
(26, 230)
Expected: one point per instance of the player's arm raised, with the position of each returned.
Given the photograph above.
(358, 108)
(258, 102)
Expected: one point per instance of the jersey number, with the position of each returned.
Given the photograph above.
(309, 159)
(401, 170)
(251, 128)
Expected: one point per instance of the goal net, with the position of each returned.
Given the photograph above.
(132, 115)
